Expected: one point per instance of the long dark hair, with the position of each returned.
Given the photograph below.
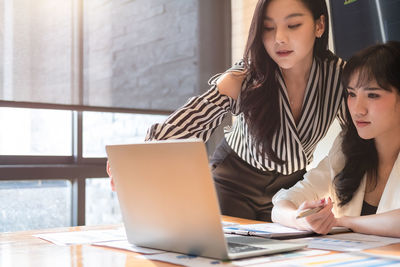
(260, 100)
(381, 63)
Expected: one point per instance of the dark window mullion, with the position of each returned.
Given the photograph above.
(26, 160)
(77, 135)
(52, 171)
(78, 185)
(77, 90)
(90, 108)
(78, 201)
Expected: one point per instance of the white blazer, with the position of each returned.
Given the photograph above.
(317, 184)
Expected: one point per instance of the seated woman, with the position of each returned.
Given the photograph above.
(358, 184)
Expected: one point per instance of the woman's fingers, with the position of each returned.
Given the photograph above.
(325, 224)
(323, 221)
(312, 204)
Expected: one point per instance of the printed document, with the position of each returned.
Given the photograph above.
(347, 242)
(272, 230)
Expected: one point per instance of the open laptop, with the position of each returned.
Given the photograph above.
(168, 201)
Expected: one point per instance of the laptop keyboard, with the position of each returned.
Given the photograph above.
(238, 248)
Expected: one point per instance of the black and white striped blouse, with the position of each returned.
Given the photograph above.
(294, 144)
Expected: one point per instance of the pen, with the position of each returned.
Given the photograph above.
(310, 211)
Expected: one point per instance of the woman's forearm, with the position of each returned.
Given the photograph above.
(284, 212)
(384, 224)
(322, 221)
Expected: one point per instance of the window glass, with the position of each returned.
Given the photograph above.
(37, 51)
(36, 204)
(101, 129)
(101, 203)
(35, 132)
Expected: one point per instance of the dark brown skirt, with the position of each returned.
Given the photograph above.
(244, 191)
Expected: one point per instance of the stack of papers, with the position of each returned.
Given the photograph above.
(351, 243)
(272, 230)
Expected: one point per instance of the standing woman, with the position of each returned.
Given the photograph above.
(285, 94)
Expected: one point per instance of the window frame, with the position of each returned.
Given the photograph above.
(74, 168)
(77, 169)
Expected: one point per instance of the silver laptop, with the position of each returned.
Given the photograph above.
(168, 201)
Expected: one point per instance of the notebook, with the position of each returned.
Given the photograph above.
(168, 201)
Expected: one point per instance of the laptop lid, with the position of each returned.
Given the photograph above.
(168, 200)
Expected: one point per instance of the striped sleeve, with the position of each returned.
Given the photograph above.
(198, 118)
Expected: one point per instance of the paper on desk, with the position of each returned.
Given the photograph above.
(194, 261)
(339, 260)
(83, 237)
(125, 245)
(278, 257)
(347, 242)
(265, 230)
(89, 236)
(226, 223)
(395, 255)
(186, 260)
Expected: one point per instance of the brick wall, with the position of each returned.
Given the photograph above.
(141, 54)
(145, 54)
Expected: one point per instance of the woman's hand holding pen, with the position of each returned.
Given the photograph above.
(316, 216)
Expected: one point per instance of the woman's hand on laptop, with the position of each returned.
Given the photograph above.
(110, 175)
